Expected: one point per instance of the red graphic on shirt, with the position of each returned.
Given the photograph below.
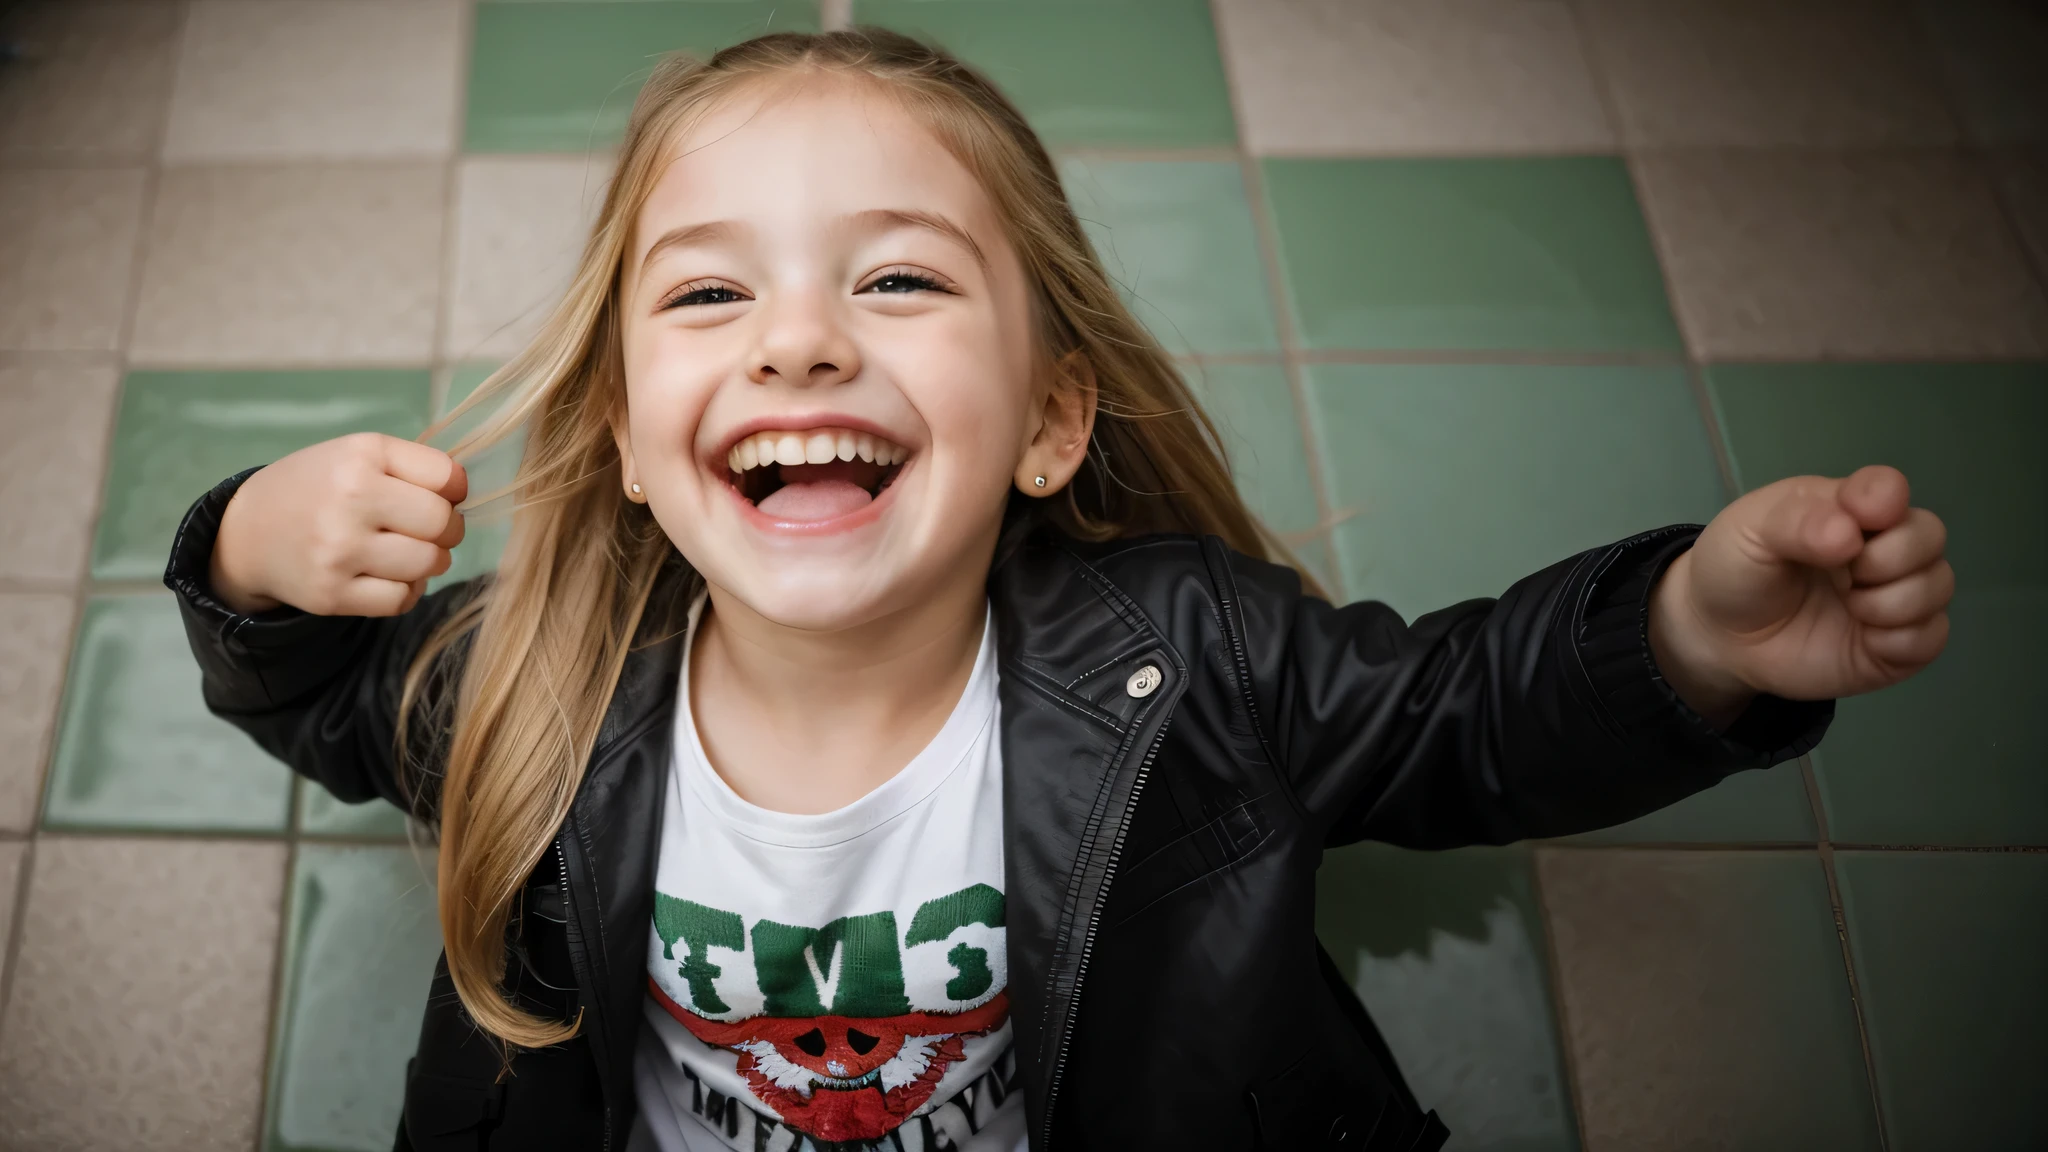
(841, 1078)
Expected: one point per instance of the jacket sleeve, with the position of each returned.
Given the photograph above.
(320, 693)
(1538, 714)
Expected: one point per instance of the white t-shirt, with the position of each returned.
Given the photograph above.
(840, 978)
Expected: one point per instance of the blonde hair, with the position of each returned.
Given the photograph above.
(542, 643)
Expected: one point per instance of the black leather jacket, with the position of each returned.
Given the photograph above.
(1161, 845)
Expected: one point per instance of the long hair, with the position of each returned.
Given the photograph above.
(542, 643)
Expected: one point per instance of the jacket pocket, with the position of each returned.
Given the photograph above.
(1318, 1103)
(1187, 859)
(444, 1113)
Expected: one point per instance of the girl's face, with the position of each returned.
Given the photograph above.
(832, 375)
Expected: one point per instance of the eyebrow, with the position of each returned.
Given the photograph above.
(688, 236)
(929, 221)
(879, 219)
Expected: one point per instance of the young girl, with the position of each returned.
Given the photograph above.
(887, 728)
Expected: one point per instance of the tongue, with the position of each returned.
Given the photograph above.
(808, 500)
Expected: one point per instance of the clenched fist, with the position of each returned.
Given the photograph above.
(349, 527)
(1808, 589)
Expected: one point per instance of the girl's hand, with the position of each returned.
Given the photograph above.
(348, 527)
(1809, 588)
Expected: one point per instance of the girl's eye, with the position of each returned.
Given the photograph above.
(904, 280)
(703, 294)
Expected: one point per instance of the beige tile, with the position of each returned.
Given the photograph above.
(1767, 72)
(1809, 255)
(519, 228)
(35, 631)
(12, 853)
(2023, 183)
(298, 79)
(90, 82)
(1992, 54)
(53, 443)
(141, 995)
(333, 265)
(1386, 76)
(1705, 1001)
(65, 256)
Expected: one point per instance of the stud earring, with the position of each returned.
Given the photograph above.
(1040, 482)
(636, 489)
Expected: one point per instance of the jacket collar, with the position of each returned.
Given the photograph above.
(1076, 742)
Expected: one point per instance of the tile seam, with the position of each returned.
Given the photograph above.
(1825, 850)
(1568, 1049)
(438, 371)
(17, 927)
(1988, 158)
(1266, 234)
(150, 162)
(272, 1065)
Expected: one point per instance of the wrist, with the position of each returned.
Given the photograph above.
(228, 570)
(1687, 657)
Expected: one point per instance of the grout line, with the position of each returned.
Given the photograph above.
(1086, 152)
(280, 951)
(1990, 159)
(17, 926)
(1825, 850)
(1567, 1045)
(451, 219)
(151, 166)
(1266, 231)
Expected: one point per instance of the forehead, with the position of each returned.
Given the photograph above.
(808, 151)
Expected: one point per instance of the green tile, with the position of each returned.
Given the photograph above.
(1107, 73)
(136, 747)
(1177, 237)
(1253, 409)
(1543, 254)
(487, 527)
(1704, 993)
(1950, 951)
(1766, 807)
(1461, 479)
(561, 77)
(1952, 756)
(1314, 554)
(359, 956)
(320, 814)
(1446, 949)
(179, 433)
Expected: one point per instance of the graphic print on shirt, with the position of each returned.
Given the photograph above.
(843, 1030)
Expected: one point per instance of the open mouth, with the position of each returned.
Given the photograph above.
(813, 475)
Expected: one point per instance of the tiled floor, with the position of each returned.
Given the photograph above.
(1469, 285)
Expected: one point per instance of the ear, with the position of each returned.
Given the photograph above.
(629, 477)
(1066, 419)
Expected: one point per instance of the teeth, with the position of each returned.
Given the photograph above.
(789, 448)
(814, 446)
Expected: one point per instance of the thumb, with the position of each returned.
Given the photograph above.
(1803, 521)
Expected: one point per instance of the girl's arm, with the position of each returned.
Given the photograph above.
(1538, 714)
(320, 693)
(1606, 686)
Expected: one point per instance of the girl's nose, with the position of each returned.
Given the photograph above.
(803, 344)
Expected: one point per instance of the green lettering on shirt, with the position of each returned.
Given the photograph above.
(795, 967)
(700, 928)
(937, 918)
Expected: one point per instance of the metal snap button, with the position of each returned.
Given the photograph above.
(1144, 681)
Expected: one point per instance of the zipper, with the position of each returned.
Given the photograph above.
(582, 965)
(1116, 850)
